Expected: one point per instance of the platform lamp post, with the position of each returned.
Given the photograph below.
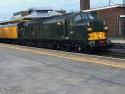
(109, 2)
(124, 14)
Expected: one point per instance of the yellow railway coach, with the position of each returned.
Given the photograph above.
(8, 31)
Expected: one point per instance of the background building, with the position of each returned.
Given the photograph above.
(112, 16)
(38, 12)
(61, 11)
(20, 14)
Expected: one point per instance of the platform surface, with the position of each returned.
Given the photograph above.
(37, 71)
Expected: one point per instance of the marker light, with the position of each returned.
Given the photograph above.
(89, 29)
(106, 28)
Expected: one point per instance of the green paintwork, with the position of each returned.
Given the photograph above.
(60, 28)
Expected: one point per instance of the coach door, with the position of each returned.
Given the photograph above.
(68, 27)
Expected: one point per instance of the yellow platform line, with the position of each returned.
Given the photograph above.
(118, 65)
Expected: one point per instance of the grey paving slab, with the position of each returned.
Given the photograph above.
(28, 73)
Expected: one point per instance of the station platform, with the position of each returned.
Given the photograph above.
(28, 70)
(118, 40)
(118, 43)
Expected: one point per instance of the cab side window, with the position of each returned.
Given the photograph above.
(78, 18)
(70, 21)
(84, 16)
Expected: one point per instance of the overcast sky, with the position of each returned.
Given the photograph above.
(7, 7)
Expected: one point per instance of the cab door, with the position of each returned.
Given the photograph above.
(68, 28)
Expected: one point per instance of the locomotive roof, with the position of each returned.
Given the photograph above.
(14, 21)
(8, 25)
(73, 14)
(60, 18)
(41, 8)
(56, 18)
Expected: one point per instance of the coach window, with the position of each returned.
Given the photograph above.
(78, 18)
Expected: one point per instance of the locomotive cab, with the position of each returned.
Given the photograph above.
(90, 32)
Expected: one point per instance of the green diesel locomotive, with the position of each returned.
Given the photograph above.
(72, 31)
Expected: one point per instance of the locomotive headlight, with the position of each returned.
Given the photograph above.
(58, 23)
(106, 27)
(88, 24)
(89, 29)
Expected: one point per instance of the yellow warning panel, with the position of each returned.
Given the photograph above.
(97, 35)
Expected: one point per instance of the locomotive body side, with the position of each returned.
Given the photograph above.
(70, 31)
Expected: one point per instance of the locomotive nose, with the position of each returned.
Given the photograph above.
(96, 25)
(97, 34)
(96, 30)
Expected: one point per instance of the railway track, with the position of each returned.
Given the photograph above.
(115, 53)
